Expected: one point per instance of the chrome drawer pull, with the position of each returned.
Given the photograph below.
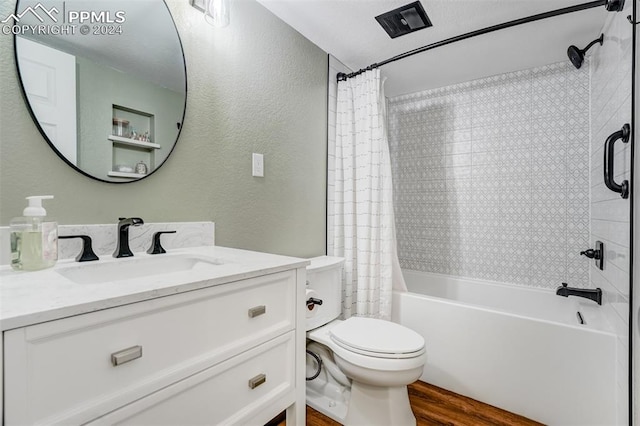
(126, 355)
(257, 381)
(257, 310)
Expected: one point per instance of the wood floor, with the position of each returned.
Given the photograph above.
(434, 406)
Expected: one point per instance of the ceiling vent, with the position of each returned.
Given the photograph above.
(404, 20)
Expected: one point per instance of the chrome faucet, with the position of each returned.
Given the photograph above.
(566, 291)
(122, 249)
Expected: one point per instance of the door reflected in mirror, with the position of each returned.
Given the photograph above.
(105, 82)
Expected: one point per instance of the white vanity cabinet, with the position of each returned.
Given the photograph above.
(227, 354)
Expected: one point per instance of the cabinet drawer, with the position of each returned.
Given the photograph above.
(62, 371)
(223, 394)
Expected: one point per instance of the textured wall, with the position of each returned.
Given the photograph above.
(610, 220)
(255, 86)
(491, 177)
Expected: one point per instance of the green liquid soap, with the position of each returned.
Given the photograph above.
(34, 238)
(28, 255)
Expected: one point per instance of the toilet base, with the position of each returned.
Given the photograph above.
(379, 406)
(332, 406)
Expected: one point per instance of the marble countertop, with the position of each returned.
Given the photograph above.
(28, 298)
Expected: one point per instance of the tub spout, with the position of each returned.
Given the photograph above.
(565, 291)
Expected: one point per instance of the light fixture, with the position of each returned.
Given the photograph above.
(216, 12)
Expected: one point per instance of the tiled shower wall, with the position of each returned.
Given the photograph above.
(610, 214)
(491, 177)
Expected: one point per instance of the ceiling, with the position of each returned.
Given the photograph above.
(347, 30)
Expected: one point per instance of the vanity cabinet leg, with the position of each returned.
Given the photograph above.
(297, 414)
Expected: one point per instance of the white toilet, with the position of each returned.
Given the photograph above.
(366, 363)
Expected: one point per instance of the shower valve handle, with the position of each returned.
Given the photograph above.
(596, 254)
(591, 254)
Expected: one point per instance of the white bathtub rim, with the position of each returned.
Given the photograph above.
(581, 327)
(591, 308)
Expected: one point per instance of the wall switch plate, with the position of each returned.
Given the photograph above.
(257, 165)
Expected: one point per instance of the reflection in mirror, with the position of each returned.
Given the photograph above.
(105, 82)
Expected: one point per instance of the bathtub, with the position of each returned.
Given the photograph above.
(521, 349)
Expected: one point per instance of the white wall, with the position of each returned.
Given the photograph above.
(610, 220)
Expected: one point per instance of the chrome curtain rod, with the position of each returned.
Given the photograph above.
(611, 5)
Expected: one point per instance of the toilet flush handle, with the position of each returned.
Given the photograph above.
(313, 301)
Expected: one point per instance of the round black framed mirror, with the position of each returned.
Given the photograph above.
(105, 82)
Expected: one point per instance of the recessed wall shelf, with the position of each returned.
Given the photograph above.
(133, 142)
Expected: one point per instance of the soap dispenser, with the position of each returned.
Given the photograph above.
(34, 237)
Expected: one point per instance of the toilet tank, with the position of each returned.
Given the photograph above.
(324, 282)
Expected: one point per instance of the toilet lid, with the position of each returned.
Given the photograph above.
(376, 337)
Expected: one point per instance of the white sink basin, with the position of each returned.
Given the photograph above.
(132, 268)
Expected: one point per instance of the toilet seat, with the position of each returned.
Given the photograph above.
(373, 360)
(377, 338)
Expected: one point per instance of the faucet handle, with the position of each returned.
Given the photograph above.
(156, 247)
(597, 254)
(591, 253)
(87, 254)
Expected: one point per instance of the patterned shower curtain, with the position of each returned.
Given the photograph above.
(364, 228)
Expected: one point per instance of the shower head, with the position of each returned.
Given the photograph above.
(614, 5)
(576, 55)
